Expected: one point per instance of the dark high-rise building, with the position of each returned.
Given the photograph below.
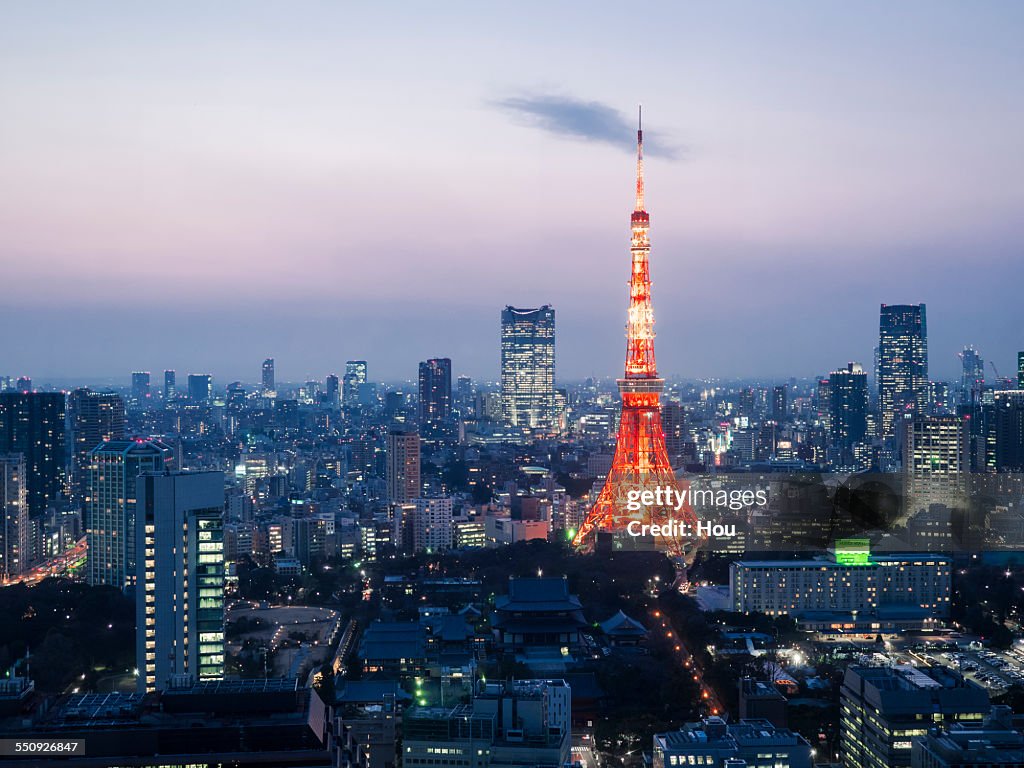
(179, 595)
(332, 389)
(170, 386)
(111, 506)
(95, 418)
(355, 375)
(23, 384)
(528, 367)
(464, 395)
(972, 378)
(779, 403)
(141, 391)
(1020, 370)
(435, 390)
(673, 421)
(200, 388)
(269, 386)
(848, 414)
(32, 424)
(14, 525)
(902, 364)
(1006, 431)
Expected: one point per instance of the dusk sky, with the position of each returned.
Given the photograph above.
(200, 186)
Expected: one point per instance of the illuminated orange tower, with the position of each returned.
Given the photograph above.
(641, 460)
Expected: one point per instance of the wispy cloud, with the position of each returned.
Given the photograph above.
(586, 121)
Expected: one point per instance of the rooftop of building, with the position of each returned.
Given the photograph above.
(538, 594)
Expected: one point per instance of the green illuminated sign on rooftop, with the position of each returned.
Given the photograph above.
(853, 551)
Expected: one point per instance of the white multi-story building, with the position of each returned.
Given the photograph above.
(179, 603)
(432, 525)
(916, 581)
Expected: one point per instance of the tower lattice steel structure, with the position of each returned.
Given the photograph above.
(641, 460)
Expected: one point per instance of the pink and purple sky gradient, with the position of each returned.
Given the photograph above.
(198, 186)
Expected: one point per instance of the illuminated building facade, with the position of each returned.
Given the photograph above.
(848, 412)
(355, 375)
(918, 582)
(95, 418)
(902, 364)
(170, 385)
(32, 424)
(432, 525)
(402, 468)
(936, 462)
(641, 460)
(179, 604)
(110, 506)
(528, 367)
(884, 710)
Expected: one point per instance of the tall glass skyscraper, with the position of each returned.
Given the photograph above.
(848, 412)
(110, 506)
(355, 374)
(528, 367)
(32, 424)
(902, 364)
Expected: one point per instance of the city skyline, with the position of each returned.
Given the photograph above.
(794, 188)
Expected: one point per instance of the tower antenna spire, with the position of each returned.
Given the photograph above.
(640, 159)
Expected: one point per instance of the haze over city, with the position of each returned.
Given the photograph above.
(316, 182)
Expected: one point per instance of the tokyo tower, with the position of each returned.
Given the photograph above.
(641, 461)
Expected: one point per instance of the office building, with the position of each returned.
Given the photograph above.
(995, 742)
(848, 412)
(936, 462)
(528, 367)
(32, 424)
(1006, 431)
(779, 403)
(110, 506)
(14, 525)
(179, 597)
(402, 468)
(435, 390)
(200, 388)
(432, 525)
(170, 385)
(673, 421)
(95, 418)
(355, 375)
(141, 393)
(516, 724)
(332, 390)
(713, 742)
(269, 386)
(1020, 370)
(920, 584)
(883, 710)
(972, 377)
(902, 364)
